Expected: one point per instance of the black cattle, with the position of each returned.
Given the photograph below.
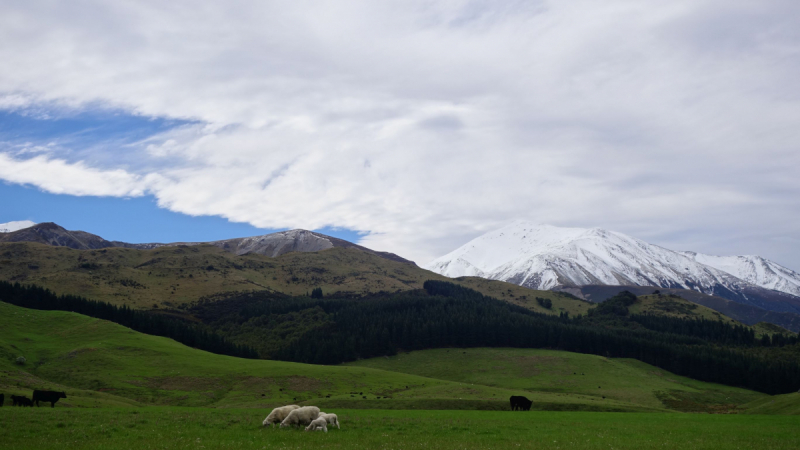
(21, 401)
(2, 399)
(47, 396)
(520, 403)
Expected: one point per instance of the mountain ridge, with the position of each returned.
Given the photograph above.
(547, 257)
(272, 245)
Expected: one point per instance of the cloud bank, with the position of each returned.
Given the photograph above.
(424, 124)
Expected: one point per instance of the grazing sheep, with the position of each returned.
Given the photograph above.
(318, 424)
(278, 414)
(301, 416)
(332, 419)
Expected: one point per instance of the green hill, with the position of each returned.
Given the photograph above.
(626, 380)
(99, 363)
(777, 404)
(671, 305)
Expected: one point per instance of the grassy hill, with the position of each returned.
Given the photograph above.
(171, 276)
(99, 363)
(746, 314)
(560, 372)
(778, 404)
(671, 305)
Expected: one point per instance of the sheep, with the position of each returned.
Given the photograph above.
(301, 416)
(332, 419)
(278, 414)
(318, 424)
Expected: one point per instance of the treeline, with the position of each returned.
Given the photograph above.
(447, 315)
(188, 334)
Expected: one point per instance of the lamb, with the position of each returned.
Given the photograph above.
(278, 414)
(318, 424)
(301, 416)
(332, 419)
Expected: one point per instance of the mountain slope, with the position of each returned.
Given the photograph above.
(282, 242)
(272, 245)
(169, 276)
(746, 314)
(547, 257)
(754, 269)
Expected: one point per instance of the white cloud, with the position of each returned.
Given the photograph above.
(427, 123)
(60, 177)
(8, 227)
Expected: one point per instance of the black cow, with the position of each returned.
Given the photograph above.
(2, 399)
(520, 403)
(21, 401)
(47, 396)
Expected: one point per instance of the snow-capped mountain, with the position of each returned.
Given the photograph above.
(9, 227)
(754, 269)
(547, 257)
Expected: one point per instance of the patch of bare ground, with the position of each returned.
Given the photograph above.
(183, 383)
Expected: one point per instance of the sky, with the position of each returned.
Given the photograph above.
(407, 126)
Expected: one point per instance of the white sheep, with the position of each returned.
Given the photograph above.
(301, 416)
(332, 419)
(278, 414)
(318, 424)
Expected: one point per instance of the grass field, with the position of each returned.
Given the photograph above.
(777, 404)
(103, 364)
(626, 380)
(436, 399)
(198, 428)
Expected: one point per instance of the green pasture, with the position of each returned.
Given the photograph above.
(99, 363)
(777, 404)
(558, 372)
(203, 428)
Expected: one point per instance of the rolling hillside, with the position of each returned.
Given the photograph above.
(625, 380)
(102, 364)
(777, 404)
(746, 314)
(99, 363)
(171, 276)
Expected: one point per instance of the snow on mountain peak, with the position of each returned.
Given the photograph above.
(9, 227)
(754, 269)
(543, 256)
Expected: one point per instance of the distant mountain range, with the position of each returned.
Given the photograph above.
(273, 245)
(547, 257)
(592, 264)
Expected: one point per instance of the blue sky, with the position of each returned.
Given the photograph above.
(128, 219)
(415, 126)
(135, 220)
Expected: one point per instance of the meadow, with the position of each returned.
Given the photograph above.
(196, 428)
(130, 390)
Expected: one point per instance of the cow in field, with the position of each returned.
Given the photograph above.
(21, 401)
(520, 403)
(47, 396)
(2, 399)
